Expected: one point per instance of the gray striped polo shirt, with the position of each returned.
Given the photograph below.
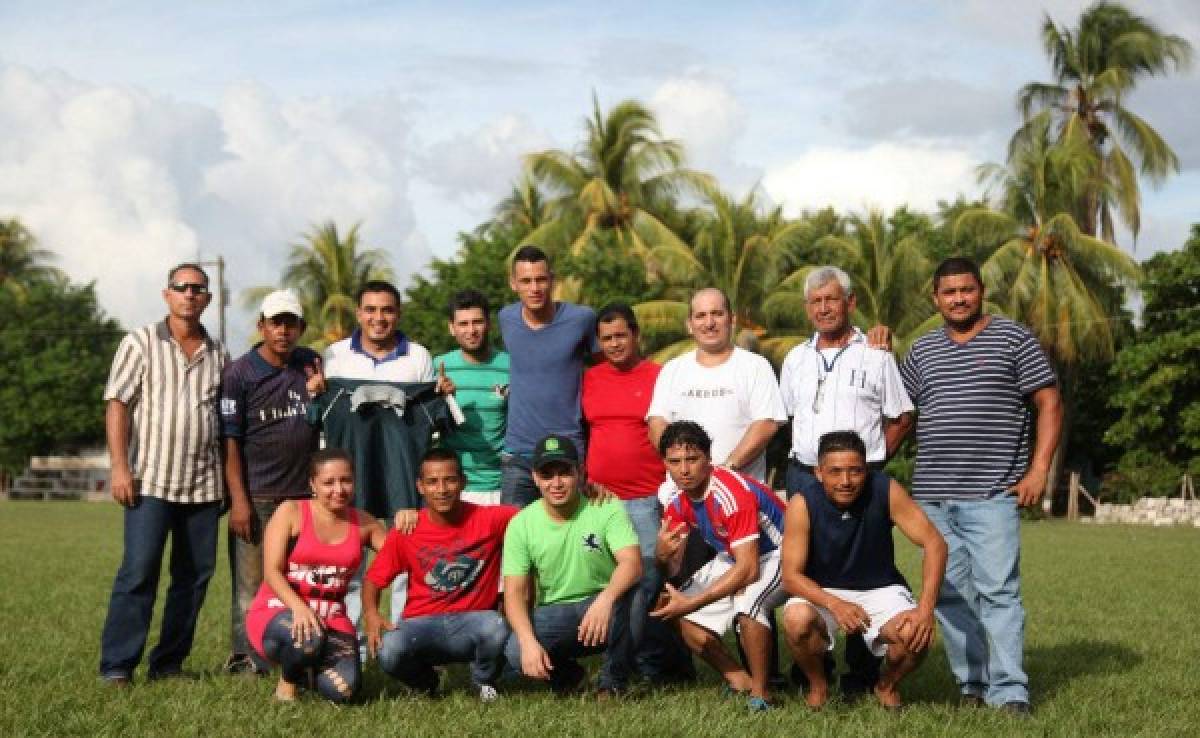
(173, 406)
(974, 424)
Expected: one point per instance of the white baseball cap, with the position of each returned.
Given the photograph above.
(280, 302)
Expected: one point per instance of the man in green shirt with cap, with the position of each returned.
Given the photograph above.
(584, 560)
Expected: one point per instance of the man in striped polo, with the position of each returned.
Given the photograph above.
(837, 381)
(161, 424)
(973, 382)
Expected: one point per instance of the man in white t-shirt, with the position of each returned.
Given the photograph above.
(730, 392)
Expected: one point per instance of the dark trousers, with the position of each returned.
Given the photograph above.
(331, 655)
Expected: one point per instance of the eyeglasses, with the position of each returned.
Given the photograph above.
(195, 288)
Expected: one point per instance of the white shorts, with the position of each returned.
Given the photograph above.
(481, 497)
(757, 600)
(881, 605)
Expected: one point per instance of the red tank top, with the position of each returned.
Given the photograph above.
(319, 572)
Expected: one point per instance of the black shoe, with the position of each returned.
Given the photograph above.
(173, 672)
(568, 678)
(1017, 709)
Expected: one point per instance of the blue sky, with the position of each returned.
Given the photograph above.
(133, 135)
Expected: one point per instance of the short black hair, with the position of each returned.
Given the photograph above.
(377, 285)
(614, 310)
(530, 254)
(954, 266)
(326, 455)
(186, 265)
(841, 441)
(439, 453)
(687, 434)
(467, 299)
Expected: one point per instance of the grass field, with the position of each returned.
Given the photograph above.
(1112, 648)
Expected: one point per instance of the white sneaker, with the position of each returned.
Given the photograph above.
(488, 693)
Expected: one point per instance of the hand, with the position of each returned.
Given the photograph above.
(406, 521)
(850, 618)
(316, 378)
(305, 624)
(671, 539)
(445, 385)
(241, 518)
(535, 662)
(676, 606)
(920, 626)
(598, 494)
(593, 629)
(373, 626)
(124, 489)
(1030, 489)
(880, 337)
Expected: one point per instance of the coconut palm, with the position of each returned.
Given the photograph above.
(622, 179)
(1095, 66)
(522, 212)
(22, 262)
(326, 270)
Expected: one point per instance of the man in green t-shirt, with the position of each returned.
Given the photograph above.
(584, 560)
(480, 376)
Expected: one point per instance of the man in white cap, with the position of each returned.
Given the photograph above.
(264, 397)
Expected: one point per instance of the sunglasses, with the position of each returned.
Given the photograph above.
(194, 287)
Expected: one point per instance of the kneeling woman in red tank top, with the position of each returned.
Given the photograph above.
(311, 550)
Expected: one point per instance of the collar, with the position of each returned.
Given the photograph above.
(162, 331)
(400, 350)
(856, 336)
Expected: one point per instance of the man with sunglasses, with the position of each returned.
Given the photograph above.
(160, 420)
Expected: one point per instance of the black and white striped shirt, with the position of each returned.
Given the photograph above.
(173, 451)
(974, 424)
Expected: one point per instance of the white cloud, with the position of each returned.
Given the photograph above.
(884, 175)
(481, 165)
(121, 184)
(708, 118)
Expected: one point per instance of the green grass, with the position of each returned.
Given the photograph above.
(1112, 649)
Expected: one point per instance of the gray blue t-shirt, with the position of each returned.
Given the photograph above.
(546, 368)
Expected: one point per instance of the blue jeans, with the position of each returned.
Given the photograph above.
(410, 652)
(193, 531)
(980, 609)
(331, 655)
(557, 629)
(516, 480)
(246, 574)
(646, 515)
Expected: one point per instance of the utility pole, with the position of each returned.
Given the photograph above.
(222, 293)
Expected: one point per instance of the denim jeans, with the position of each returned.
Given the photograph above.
(557, 629)
(246, 575)
(980, 609)
(410, 652)
(193, 532)
(516, 481)
(331, 655)
(646, 515)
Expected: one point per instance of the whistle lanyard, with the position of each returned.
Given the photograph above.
(824, 369)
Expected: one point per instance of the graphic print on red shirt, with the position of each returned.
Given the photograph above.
(451, 568)
(736, 508)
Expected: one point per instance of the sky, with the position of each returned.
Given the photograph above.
(134, 135)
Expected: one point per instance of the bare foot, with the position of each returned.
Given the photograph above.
(889, 697)
(285, 691)
(739, 683)
(816, 696)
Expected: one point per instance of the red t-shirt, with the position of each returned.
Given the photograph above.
(451, 568)
(619, 452)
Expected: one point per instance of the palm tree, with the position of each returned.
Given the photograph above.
(522, 212)
(740, 247)
(22, 262)
(1095, 66)
(623, 179)
(326, 270)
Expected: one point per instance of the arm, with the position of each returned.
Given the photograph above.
(1032, 486)
(381, 573)
(241, 515)
(895, 430)
(371, 531)
(535, 662)
(913, 523)
(593, 628)
(743, 573)
(116, 431)
(754, 442)
(796, 531)
(655, 426)
(373, 621)
(285, 524)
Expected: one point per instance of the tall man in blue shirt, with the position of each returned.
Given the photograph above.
(547, 342)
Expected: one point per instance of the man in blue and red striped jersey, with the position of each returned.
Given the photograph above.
(743, 520)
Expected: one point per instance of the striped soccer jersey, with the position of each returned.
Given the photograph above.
(737, 508)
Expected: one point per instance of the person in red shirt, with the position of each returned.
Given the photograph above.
(615, 397)
(452, 558)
